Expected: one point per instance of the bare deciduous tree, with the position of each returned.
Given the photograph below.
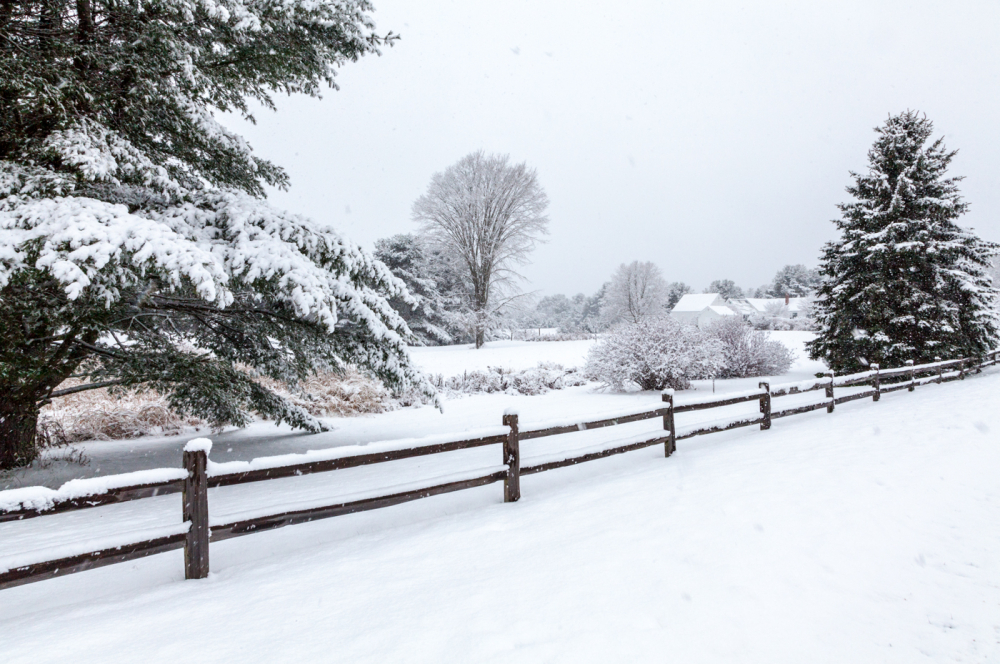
(637, 291)
(488, 214)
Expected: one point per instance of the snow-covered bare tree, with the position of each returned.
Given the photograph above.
(794, 281)
(637, 291)
(904, 281)
(488, 214)
(134, 248)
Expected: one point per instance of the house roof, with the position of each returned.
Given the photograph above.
(723, 311)
(697, 301)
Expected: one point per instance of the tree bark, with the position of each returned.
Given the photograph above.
(18, 420)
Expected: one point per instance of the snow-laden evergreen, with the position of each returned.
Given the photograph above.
(135, 247)
(904, 281)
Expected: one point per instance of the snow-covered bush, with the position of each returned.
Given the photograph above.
(655, 354)
(749, 352)
(536, 380)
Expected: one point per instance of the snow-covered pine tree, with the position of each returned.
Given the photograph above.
(433, 282)
(793, 281)
(904, 281)
(135, 247)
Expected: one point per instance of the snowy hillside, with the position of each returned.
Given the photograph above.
(864, 535)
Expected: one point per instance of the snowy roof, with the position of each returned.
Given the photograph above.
(723, 311)
(697, 301)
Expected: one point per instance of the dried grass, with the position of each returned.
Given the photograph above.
(99, 415)
(340, 395)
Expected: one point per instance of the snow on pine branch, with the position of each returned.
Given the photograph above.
(228, 240)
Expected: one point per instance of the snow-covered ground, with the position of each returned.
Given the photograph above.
(868, 535)
(460, 414)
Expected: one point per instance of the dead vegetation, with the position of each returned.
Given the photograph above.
(101, 415)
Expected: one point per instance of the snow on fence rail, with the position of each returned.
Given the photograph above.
(199, 474)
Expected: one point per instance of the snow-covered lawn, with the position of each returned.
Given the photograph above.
(460, 414)
(866, 535)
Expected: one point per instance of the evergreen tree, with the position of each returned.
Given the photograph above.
(794, 281)
(904, 281)
(432, 281)
(675, 291)
(727, 288)
(135, 250)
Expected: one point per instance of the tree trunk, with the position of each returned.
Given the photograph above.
(17, 433)
(480, 337)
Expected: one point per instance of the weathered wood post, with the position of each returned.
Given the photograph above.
(940, 371)
(829, 393)
(670, 446)
(512, 458)
(195, 508)
(765, 405)
(961, 370)
(913, 375)
(876, 384)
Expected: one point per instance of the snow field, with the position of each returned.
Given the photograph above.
(865, 535)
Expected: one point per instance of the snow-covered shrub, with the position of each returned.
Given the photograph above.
(749, 352)
(536, 380)
(655, 354)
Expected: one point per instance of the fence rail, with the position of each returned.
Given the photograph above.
(199, 474)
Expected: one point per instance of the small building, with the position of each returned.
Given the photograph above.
(701, 309)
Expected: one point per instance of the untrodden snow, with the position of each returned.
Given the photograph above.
(866, 535)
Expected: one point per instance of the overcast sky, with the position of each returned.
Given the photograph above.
(712, 138)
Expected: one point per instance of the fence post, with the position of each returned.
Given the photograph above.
(961, 370)
(512, 458)
(913, 375)
(940, 371)
(195, 508)
(876, 384)
(765, 405)
(829, 393)
(670, 446)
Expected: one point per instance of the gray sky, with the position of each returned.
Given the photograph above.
(712, 138)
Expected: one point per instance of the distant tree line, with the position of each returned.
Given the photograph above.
(441, 309)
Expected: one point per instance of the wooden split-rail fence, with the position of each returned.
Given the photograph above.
(195, 533)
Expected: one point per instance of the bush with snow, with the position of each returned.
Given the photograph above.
(749, 352)
(536, 380)
(655, 354)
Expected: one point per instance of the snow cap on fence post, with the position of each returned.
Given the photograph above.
(198, 445)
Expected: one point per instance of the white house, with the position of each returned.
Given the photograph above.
(701, 309)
